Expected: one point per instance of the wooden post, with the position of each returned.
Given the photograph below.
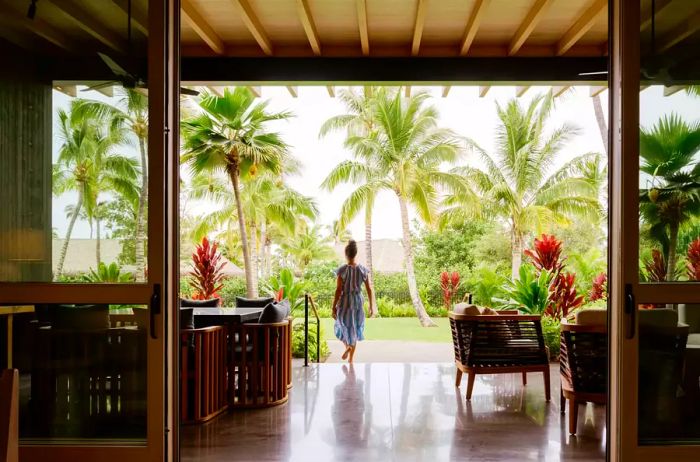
(9, 415)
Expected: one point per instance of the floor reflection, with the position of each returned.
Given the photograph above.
(401, 412)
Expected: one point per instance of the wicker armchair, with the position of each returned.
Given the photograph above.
(498, 344)
(583, 362)
(202, 373)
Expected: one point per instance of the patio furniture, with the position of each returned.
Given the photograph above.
(498, 344)
(261, 302)
(583, 362)
(9, 415)
(260, 368)
(8, 312)
(202, 373)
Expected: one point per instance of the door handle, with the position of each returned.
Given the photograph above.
(630, 312)
(154, 309)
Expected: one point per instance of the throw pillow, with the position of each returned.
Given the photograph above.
(186, 318)
(467, 309)
(83, 317)
(242, 302)
(211, 303)
(273, 312)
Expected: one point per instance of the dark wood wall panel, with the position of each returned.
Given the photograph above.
(25, 174)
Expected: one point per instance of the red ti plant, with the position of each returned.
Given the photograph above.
(656, 267)
(546, 254)
(563, 296)
(206, 274)
(693, 264)
(599, 290)
(449, 283)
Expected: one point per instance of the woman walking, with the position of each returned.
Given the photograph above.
(348, 311)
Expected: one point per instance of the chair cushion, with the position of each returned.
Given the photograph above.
(467, 309)
(592, 317)
(186, 318)
(286, 305)
(273, 312)
(189, 303)
(658, 317)
(694, 339)
(690, 314)
(489, 311)
(83, 317)
(242, 302)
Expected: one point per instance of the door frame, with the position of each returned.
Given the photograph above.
(624, 247)
(162, 258)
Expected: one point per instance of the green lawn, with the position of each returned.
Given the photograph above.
(398, 329)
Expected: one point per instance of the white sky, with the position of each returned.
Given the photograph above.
(463, 111)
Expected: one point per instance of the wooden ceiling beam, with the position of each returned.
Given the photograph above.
(88, 23)
(558, 91)
(646, 15)
(581, 26)
(255, 90)
(418, 26)
(533, 17)
(673, 89)
(107, 91)
(202, 27)
(473, 26)
(307, 20)
(595, 91)
(254, 26)
(293, 90)
(37, 26)
(362, 22)
(70, 90)
(139, 18)
(681, 32)
(483, 90)
(446, 90)
(520, 90)
(331, 90)
(215, 91)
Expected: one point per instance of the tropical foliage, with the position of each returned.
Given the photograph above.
(207, 275)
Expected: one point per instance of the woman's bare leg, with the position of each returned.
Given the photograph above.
(346, 352)
(352, 353)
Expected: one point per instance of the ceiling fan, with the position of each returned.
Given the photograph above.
(655, 67)
(126, 79)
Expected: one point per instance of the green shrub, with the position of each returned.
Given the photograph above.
(298, 341)
(552, 338)
(232, 288)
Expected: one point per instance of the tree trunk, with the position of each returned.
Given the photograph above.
(263, 250)
(516, 240)
(69, 231)
(600, 119)
(251, 291)
(98, 250)
(410, 272)
(370, 265)
(255, 255)
(672, 244)
(140, 235)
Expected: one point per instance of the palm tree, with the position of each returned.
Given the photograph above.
(131, 113)
(308, 246)
(87, 165)
(406, 152)
(516, 184)
(231, 137)
(339, 233)
(668, 152)
(358, 121)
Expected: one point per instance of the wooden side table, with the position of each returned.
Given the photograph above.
(10, 311)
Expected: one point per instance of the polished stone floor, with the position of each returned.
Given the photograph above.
(401, 412)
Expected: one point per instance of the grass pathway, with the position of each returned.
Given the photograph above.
(406, 329)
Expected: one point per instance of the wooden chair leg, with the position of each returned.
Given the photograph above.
(547, 388)
(470, 384)
(573, 416)
(458, 379)
(524, 378)
(562, 402)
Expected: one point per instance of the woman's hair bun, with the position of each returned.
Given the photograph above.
(351, 249)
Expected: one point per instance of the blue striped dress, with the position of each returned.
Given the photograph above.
(350, 322)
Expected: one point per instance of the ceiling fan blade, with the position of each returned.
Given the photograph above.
(101, 85)
(113, 66)
(188, 91)
(594, 73)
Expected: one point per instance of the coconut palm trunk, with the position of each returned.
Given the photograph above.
(255, 255)
(672, 244)
(140, 228)
(410, 272)
(251, 290)
(516, 239)
(370, 265)
(69, 231)
(98, 244)
(600, 119)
